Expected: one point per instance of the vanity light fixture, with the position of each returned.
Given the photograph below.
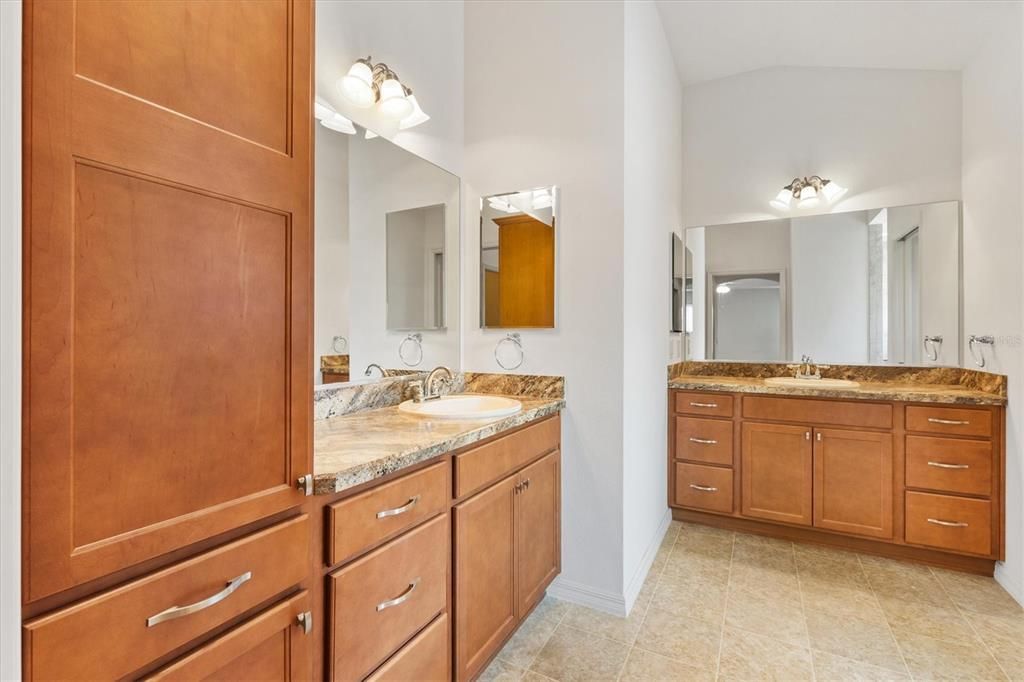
(367, 84)
(516, 203)
(329, 118)
(808, 192)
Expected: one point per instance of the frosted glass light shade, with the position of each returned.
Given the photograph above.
(322, 110)
(339, 123)
(831, 191)
(417, 116)
(393, 101)
(808, 197)
(782, 199)
(357, 85)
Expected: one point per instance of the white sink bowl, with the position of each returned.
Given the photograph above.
(463, 407)
(793, 382)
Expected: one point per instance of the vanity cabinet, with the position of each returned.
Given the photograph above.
(911, 480)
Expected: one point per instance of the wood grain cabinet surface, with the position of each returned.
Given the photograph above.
(853, 473)
(776, 471)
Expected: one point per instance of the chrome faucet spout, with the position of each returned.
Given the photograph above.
(373, 365)
(428, 384)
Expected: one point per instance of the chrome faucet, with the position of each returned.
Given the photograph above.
(807, 369)
(384, 374)
(428, 383)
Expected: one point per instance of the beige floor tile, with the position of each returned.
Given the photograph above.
(692, 641)
(501, 671)
(531, 676)
(746, 656)
(647, 591)
(757, 610)
(935, 659)
(533, 634)
(783, 584)
(829, 565)
(837, 599)
(644, 666)
(686, 564)
(1004, 637)
(692, 595)
(978, 594)
(909, 582)
(605, 624)
(686, 528)
(831, 668)
(862, 640)
(572, 655)
(765, 556)
(927, 619)
(703, 544)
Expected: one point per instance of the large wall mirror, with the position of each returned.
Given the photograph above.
(879, 286)
(517, 259)
(387, 259)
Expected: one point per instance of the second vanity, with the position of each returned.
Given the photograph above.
(890, 465)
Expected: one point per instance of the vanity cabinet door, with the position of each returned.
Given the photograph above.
(853, 482)
(485, 569)
(538, 530)
(775, 472)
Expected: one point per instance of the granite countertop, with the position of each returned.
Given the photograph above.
(355, 448)
(909, 392)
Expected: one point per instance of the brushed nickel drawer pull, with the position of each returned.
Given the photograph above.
(704, 488)
(950, 524)
(180, 611)
(951, 422)
(704, 441)
(944, 465)
(400, 599)
(399, 510)
(703, 404)
(305, 621)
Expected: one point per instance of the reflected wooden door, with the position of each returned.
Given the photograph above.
(526, 272)
(167, 265)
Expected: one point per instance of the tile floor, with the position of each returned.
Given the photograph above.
(732, 606)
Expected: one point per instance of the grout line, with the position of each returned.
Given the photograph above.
(803, 608)
(888, 626)
(725, 608)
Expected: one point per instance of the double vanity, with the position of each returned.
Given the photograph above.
(902, 462)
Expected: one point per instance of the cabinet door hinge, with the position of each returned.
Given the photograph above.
(305, 484)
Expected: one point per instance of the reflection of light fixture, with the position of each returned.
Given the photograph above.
(370, 134)
(808, 192)
(367, 84)
(722, 289)
(329, 118)
(541, 199)
(502, 204)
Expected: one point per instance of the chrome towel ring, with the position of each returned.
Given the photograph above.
(417, 341)
(932, 345)
(516, 341)
(972, 341)
(339, 344)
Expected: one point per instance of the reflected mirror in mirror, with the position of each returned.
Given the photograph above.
(682, 287)
(386, 260)
(879, 286)
(517, 259)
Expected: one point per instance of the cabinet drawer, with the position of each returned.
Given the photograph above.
(704, 440)
(949, 421)
(807, 411)
(704, 487)
(270, 646)
(381, 600)
(950, 464)
(704, 404)
(120, 631)
(485, 464)
(369, 518)
(425, 659)
(947, 522)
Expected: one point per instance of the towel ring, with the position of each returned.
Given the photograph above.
(339, 344)
(972, 340)
(932, 351)
(417, 339)
(515, 340)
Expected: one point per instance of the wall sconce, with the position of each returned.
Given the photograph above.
(367, 84)
(808, 192)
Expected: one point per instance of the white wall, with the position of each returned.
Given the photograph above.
(561, 64)
(10, 340)
(330, 249)
(892, 137)
(993, 255)
(940, 255)
(653, 210)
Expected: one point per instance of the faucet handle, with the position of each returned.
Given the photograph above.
(416, 390)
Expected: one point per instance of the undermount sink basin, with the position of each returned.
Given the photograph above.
(463, 407)
(793, 382)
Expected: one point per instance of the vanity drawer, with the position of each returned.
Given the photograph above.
(809, 411)
(113, 634)
(425, 659)
(366, 519)
(479, 466)
(704, 487)
(380, 601)
(955, 523)
(951, 464)
(949, 421)
(704, 440)
(704, 404)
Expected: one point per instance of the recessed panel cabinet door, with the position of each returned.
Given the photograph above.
(538, 530)
(167, 265)
(776, 472)
(853, 482)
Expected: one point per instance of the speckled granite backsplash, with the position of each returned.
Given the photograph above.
(944, 376)
(332, 400)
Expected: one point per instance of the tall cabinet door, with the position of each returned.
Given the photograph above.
(538, 530)
(853, 482)
(776, 472)
(485, 568)
(167, 265)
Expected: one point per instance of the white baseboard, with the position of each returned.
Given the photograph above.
(636, 582)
